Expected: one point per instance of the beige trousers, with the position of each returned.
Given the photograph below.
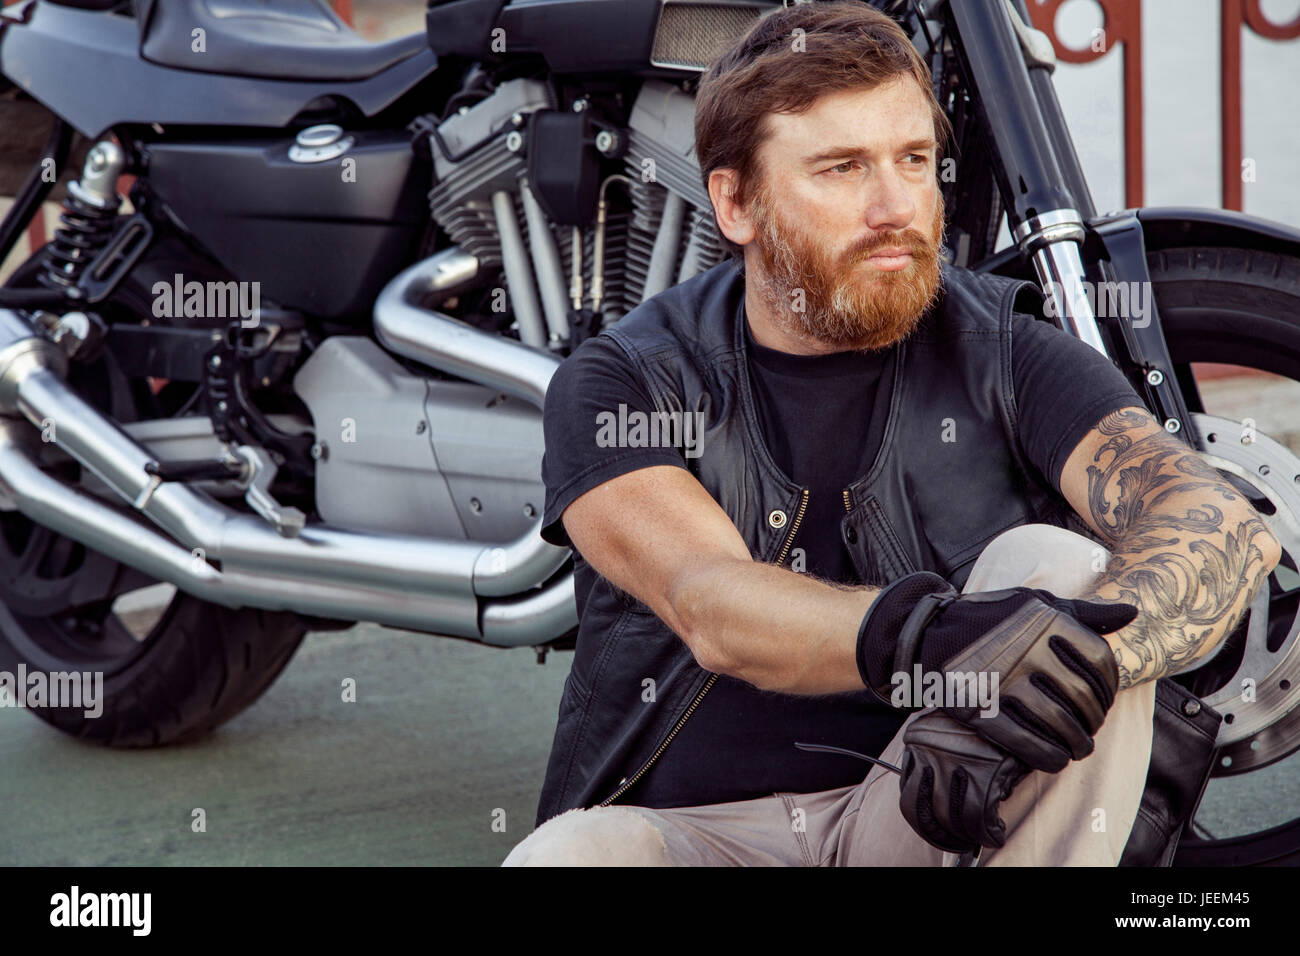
(1080, 816)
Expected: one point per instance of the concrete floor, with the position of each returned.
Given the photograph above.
(443, 736)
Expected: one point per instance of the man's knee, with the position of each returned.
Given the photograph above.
(1083, 815)
(600, 836)
(1039, 556)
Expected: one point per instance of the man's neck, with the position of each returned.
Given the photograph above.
(768, 333)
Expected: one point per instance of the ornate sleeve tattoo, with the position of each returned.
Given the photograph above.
(1186, 552)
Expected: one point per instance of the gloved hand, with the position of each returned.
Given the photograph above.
(1057, 676)
(953, 781)
(1058, 680)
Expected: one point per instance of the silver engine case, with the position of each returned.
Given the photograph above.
(409, 454)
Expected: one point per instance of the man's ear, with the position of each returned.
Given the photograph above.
(733, 221)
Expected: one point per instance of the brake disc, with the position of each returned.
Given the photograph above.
(1261, 719)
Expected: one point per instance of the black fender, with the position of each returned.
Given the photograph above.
(1170, 227)
(1167, 227)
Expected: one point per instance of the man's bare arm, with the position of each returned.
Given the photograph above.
(1187, 548)
(657, 534)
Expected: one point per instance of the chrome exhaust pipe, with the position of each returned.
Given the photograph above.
(457, 348)
(347, 567)
(531, 619)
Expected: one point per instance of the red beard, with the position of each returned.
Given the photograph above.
(833, 299)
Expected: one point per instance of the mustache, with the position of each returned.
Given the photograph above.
(921, 248)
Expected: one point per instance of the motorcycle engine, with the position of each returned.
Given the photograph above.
(478, 454)
(481, 151)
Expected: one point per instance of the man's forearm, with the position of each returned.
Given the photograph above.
(1189, 552)
(1189, 598)
(772, 627)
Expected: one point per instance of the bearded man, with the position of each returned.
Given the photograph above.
(904, 475)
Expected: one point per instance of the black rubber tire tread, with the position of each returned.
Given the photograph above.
(1218, 291)
(204, 665)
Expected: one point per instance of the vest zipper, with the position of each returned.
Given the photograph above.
(847, 504)
(628, 782)
(794, 527)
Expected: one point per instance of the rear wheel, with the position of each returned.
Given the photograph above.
(1226, 310)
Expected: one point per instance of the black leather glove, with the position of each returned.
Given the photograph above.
(953, 780)
(1057, 676)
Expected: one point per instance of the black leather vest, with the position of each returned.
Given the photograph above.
(950, 476)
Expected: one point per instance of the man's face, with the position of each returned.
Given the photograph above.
(849, 219)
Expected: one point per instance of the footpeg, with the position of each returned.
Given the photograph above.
(205, 469)
(287, 520)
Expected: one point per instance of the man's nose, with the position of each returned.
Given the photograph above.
(889, 203)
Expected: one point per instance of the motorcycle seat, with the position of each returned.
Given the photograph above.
(283, 39)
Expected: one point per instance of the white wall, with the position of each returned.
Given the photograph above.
(1180, 92)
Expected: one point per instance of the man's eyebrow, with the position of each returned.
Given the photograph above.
(837, 152)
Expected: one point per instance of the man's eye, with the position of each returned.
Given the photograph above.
(844, 167)
(917, 159)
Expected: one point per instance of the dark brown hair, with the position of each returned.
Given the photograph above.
(844, 46)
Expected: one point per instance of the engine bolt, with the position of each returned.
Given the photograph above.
(1155, 377)
(1172, 425)
(320, 451)
(419, 428)
(579, 105)
(529, 511)
(215, 361)
(514, 141)
(606, 142)
(475, 505)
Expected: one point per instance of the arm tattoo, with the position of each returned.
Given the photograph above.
(1184, 602)
(1189, 569)
(1145, 484)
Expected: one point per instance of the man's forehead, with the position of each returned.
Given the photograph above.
(884, 116)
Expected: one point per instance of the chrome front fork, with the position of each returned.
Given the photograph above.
(1053, 242)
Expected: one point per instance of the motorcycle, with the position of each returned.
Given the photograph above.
(297, 371)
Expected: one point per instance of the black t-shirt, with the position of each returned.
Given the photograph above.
(817, 417)
(823, 420)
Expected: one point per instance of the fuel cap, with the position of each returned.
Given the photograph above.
(315, 144)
